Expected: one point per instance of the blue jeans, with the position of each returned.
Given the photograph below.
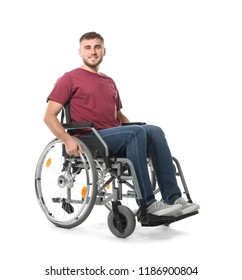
(133, 142)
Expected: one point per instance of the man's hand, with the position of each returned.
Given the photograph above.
(73, 148)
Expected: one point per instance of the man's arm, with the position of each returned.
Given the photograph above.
(122, 117)
(51, 120)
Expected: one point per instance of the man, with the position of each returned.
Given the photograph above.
(94, 97)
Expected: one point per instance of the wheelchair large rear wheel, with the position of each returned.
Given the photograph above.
(66, 187)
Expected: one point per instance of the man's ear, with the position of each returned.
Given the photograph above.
(104, 51)
(79, 52)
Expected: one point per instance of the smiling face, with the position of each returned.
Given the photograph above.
(92, 52)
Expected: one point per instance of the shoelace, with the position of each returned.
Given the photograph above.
(158, 204)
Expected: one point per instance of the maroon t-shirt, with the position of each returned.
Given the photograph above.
(93, 97)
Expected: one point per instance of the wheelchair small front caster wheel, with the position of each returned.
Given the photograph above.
(126, 222)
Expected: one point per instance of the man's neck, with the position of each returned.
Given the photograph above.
(90, 69)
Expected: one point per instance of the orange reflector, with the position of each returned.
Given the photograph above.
(84, 191)
(48, 162)
(108, 186)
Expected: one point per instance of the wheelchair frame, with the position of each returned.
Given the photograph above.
(96, 164)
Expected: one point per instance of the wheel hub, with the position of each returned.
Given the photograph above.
(65, 181)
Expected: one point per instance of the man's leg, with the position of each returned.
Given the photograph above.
(162, 163)
(164, 169)
(131, 142)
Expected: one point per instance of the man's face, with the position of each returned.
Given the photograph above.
(92, 52)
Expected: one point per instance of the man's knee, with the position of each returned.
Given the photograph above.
(153, 130)
(138, 131)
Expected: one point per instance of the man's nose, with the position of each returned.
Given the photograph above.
(93, 50)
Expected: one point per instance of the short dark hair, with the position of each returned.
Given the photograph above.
(91, 35)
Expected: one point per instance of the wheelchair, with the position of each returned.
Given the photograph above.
(67, 187)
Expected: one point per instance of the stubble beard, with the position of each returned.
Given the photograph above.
(91, 65)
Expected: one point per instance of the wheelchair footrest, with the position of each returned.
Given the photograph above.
(149, 220)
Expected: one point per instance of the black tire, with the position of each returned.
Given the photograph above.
(127, 219)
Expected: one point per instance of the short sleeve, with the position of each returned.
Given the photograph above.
(62, 90)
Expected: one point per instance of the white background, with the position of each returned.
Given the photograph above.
(177, 64)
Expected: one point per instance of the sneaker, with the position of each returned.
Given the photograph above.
(159, 208)
(187, 207)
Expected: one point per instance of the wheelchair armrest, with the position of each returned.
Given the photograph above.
(134, 123)
(86, 125)
(78, 125)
